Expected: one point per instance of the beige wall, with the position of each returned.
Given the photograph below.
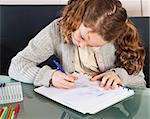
(137, 7)
(134, 7)
(146, 7)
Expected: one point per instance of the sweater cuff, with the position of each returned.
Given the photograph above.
(123, 74)
(43, 76)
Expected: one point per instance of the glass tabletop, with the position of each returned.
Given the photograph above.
(35, 106)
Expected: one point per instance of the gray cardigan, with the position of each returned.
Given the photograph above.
(49, 41)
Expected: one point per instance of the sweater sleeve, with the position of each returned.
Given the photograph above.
(133, 81)
(23, 66)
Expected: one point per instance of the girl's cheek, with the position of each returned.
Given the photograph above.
(73, 39)
(74, 42)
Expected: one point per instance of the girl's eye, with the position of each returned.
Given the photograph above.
(81, 37)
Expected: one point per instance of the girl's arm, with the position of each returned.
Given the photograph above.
(23, 66)
(129, 80)
(135, 81)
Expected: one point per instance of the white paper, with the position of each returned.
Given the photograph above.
(86, 96)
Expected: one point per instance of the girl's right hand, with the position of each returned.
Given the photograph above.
(63, 80)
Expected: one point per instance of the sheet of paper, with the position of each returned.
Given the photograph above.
(85, 95)
(88, 93)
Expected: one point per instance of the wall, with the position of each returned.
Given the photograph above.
(137, 7)
(134, 7)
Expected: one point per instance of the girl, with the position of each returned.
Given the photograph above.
(94, 37)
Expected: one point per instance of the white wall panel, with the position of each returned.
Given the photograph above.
(133, 7)
(146, 7)
(64, 2)
(28, 2)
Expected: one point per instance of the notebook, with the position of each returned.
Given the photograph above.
(86, 96)
(10, 92)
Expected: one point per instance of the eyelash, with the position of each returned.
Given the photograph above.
(82, 37)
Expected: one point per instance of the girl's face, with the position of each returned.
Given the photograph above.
(82, 37)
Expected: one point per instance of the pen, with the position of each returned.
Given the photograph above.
(10, 108)
(12, 116)
(1, 111)
(61, 69)
(59, 66)
(11, 112)
(5, 113)
(2, 85)
(17, 109)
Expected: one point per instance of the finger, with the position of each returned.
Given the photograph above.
(108, 83)
(114, 85)
(66, 87)
(104, 80)
(97, 77)
(121, 83)
(67, 77)
(75, 78)
(66, 84)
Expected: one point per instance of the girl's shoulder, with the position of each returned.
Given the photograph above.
(55, 21)
(54, 25)
(108, 46)
(54, 30)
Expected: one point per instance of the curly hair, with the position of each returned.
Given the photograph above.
(130, 53)
(72, 17)
(109, 19)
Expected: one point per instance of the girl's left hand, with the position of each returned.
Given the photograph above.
(109, 79)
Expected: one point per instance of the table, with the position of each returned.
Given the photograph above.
(35, 106)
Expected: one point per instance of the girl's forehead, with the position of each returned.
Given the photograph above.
(84, 30)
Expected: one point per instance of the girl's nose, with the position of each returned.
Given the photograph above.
(81, 45)
(78, 43)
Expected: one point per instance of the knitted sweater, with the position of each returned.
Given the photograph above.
(49, 41)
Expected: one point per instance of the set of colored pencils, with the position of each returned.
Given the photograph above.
(9, 112)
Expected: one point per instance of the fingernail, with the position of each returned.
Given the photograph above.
(101, 85)
(92, 79)
(75, 78)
